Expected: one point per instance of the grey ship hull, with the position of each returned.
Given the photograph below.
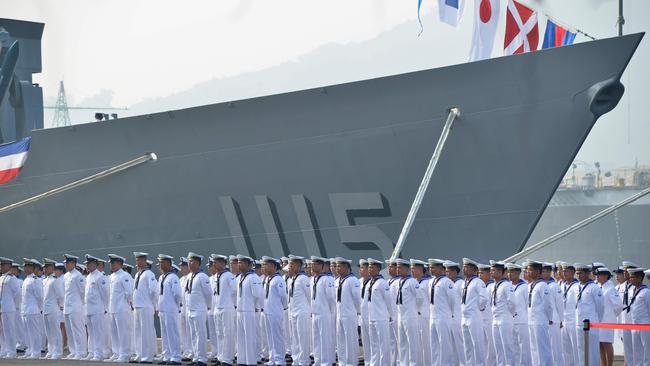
(327, 171)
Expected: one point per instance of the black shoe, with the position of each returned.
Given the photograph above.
(134, 361)
(186, 359)
(162, 363)
(200, 364)
(146, 362)
(174, 363)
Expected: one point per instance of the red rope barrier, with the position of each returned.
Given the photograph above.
(620, 326)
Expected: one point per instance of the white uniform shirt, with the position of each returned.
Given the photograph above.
(380, 300)
(502, 302)
(626, 292)
(121, 292)
(183, 280)
(323, 294)
(170, 297)
(540, 311)
(32, 293)
(458, 292)
(145, 290)
(225, 291)
(199, 293)
(97, 293)
(612, 303)
(590, 302)
(275, 295)
(423, 304)
(520, 299)
(75, 286)
(348, 299)
(557, 300)
(443, 299)
(473, 298)
(363, 291)
(393, 283)
(486, 314)
(570, 296)
(10, 293)
(639, 310)
(408, 297)
(249, 292)
(53, 290)
(299, 294)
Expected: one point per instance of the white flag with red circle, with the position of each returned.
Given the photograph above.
(486, 20)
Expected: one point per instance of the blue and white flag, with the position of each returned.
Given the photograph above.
(450, 11)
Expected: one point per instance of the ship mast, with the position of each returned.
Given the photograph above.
(621, 20)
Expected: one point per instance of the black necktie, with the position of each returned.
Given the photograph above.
(363, 289)
(188, 285)
(465, 289)
(162, 283)
(137, 280)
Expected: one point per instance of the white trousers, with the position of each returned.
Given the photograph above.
(489, 343)
(263, 340)
(226, 323)
(20, 330)
(594, 346)
(8, 334)
(442, 349)
(503, 346)
(301, 339)
(184, 332)
(380, 349)
(628, 347)
(521, 342)
(95, 325)
(394, 346)
(171, 347)
(74, 328)
(348, 337)
(212, 335)
(425, 339)
(640, 347)
(474, 342)
(121, 334)
(274, 324)
(145, 332)
(540, 344)
(31, 324)
(569, 344)
(287, 333)
(457, 343)
(198, 335)
(365, 339)
(323, 336)
(53, 333)
(408, 339)
(248, 351)
(555, 333)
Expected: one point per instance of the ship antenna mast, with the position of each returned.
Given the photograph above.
(621, 20)
(61, 115)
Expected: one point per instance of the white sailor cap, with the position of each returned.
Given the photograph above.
(48, 261)
(127, 266)
(513, 267)
(417, 262)
(177, 268)
(70, 257)
(567, 265)
(59, 265)
(100, 260)
(37, 262)
(232, 258)
(308, 262)
(602, 270)
(6, 260)
(81, 267)
(220, 257)
(31, 262)
(401, 262)
(484, 267)
(149, 262)
(298, 258)
(183, 260)
(194, 256)
(284, 259)
(363, 262)
(450, 264)
(497, 264)
(140, 254)
(315, 258)
(435, 261)
(628, 264)
(267, 259)
(163, 257)
(581, 267)
(332, 261)
(390, 261)
(372, 261)
(634, 271)
(341, 260)
(547, 265)
(597, 265)
(647, 272)
(91, 258)
(115, 257)
(470, 262)
(241, 257)
(532, 263)
(619, 270)
(257, 263)
(15, 265)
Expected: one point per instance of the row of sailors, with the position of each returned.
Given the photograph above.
(492, 316)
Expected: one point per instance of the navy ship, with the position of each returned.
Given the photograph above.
(326, 171)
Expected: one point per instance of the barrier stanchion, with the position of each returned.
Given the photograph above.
(585, 328)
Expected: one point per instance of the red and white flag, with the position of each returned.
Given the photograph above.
(522, 32)
(486, 19)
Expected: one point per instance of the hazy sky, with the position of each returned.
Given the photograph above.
(125, 52)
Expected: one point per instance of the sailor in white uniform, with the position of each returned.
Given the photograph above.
(484, 273)
(569, 289)
(53, 290)
(299, 311)
(408, 297)
(503, 312)
(521, 334)
(612, 307)
(212, 330)
(19, 326)
(38, 272)
(287, 325)
(199, 300)
(419, 272)
(540, 314)
(364, 278)
(31, 310)
(441, 298)
(638, 312)
(589, 306)
(626, 291)
(106, 336)
(259, 309)
(145, 299)
(225, 299)
(249, 293)
(348, 308)
(380, 307)
(9, 294)
(473, 301)
(557, 304)
(452, 269)
(119, 308)
(275, 305)
(170, 299)
(97, 295)
(184, 325)
(393, 283)
(323, 309)
(73, 306)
